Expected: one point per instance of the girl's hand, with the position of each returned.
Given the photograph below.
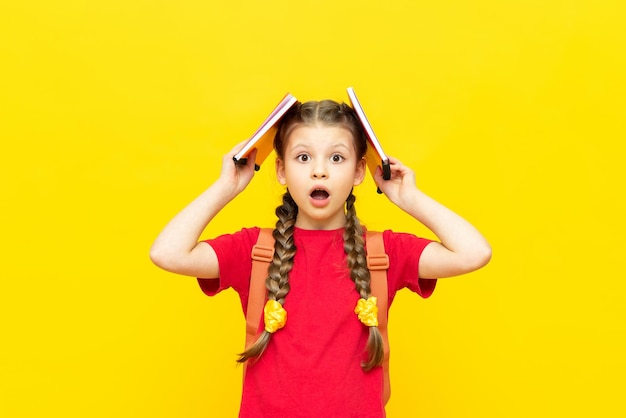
(236, 177)
(177, 249)
(462, 248)
(400, 187)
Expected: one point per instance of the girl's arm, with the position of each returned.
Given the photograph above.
(462, 248)
(177, 249)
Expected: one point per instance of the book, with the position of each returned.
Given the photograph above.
(375, 155)
(263, 137)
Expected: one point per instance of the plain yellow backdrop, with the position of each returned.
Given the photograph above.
(114, 115)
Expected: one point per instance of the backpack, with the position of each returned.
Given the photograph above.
(377, 263)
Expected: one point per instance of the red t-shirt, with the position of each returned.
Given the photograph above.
(311, 367)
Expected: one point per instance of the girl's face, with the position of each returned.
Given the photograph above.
(320, 167)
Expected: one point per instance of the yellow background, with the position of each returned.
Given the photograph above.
(114, 115)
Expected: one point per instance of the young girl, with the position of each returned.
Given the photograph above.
(320, 360)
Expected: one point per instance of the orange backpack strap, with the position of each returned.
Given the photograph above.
(378, 263)
(262, 254)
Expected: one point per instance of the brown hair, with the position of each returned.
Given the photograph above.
(330, 113)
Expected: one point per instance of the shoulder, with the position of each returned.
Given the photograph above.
(233, 253)
(401, 247)
(403, 242)
(235, 246)
(243, 237)
(405, 251)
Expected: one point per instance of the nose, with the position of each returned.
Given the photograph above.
(319, 171)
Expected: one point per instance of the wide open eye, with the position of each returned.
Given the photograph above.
(303, 158)
(337, 158)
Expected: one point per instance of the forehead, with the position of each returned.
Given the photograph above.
(320, 135)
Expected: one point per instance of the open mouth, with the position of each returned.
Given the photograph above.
(319, 194)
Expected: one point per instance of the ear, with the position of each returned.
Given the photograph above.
(359, 174)
(280, 172)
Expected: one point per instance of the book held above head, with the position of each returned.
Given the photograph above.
(263, 137)
(375, 154)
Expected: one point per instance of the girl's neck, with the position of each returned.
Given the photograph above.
(319, 229)
(320, 225)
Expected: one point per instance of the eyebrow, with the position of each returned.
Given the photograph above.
(307, 146)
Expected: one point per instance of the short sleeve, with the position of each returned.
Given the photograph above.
(404, 251)
(234, 258)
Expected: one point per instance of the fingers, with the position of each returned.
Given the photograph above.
(394, 164)
(397, 168)
(401, 175)
(230, 166)
(393, 160)
(238, 147)
(378, 176)
(247, 160)
(251, 162)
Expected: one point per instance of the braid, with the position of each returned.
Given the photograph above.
(277, 282)
(354, 246)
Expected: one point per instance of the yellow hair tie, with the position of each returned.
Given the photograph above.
(274, 316)
(367, 311)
